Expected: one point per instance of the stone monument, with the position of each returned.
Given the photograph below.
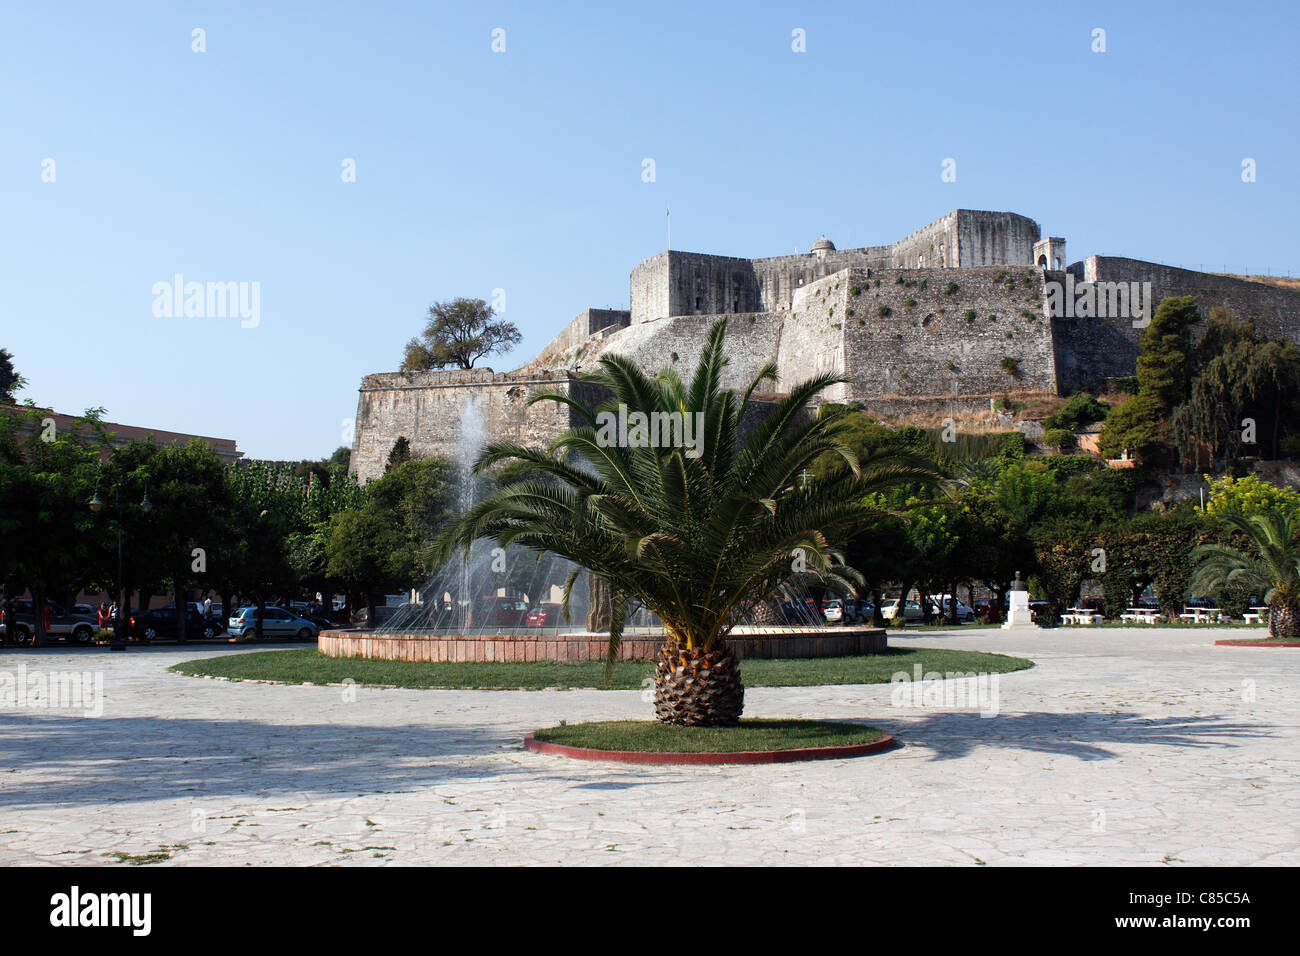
(1018, 616)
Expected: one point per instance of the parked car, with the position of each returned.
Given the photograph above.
(911, 610)
(833, 610)
(859, 610)
(796, 612)
(160, 622)
(59, 624)
(276, 622)
(546, 614)
(491, 611)
(943, 602)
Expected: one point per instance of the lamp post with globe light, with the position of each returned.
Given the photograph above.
(96, 505)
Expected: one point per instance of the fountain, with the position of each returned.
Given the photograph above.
(501, 604)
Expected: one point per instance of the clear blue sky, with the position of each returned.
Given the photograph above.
(522, 170)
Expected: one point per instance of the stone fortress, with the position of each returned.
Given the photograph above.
(964, 310)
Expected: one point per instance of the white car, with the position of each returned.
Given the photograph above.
(834, 612)
(911, 610)
(943, 602)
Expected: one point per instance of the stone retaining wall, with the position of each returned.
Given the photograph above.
(809, 642)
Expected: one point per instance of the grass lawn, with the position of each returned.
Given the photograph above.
(307, 665)
(653, 736)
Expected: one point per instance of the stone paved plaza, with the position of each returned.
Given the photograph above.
(1123, 746)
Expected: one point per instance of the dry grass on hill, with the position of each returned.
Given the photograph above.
(1282, 282)
(1037, 405)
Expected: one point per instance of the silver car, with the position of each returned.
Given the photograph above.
(276, 622)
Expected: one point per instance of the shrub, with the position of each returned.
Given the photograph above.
(885, 311)
(1080, 411)
(951, 289)
(856, 290)
(1011, 366)
(910, 303)
(1060, 438)
(1070, 466)
(969, 315)
(1007, 404)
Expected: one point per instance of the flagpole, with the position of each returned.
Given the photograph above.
(668, 213)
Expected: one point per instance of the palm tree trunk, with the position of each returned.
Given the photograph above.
(1284, 620)
(695, 687)
(598, 603)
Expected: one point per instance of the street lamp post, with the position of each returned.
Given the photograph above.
(96, 503)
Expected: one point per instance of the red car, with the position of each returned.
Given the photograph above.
(546, 614)
(498, 612)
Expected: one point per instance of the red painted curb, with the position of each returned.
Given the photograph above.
(738, 757)
(1256, 644)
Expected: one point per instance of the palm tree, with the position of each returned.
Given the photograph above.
(697, 535)
(1273, 570)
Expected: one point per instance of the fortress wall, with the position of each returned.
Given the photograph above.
(929, 247)
(752, 340)
(780, 277)
(711, 285)
(813, 336)
(907, 352)
(429, 408)
(1091, 350)
(648, 289)
(586, 324)
(995, 238)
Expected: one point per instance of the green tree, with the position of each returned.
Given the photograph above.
(386, 540)
(400, 453)
(1248, 496)
(459, 333)
(10, 380)
(696, 539)
(187, 488)
(1063, 560)
(1164, 370)
(47, 530)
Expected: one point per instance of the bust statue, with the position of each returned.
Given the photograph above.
(1017, 584)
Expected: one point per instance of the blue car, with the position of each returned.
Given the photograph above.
(276, 623)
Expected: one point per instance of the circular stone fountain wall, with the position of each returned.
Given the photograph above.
(582, 646)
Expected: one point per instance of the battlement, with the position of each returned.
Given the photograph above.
(675, 283)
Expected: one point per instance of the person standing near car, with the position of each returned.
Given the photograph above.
(207, 607)
(104, 615)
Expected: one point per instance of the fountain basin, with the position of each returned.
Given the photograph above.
(432, 646)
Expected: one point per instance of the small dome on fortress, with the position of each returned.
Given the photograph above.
(823, 245)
